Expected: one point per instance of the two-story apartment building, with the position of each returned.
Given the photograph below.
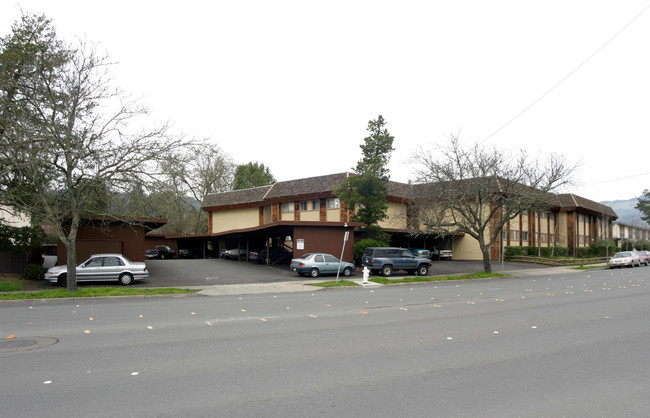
(306, 216)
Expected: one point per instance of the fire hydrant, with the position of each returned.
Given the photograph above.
(366, 274)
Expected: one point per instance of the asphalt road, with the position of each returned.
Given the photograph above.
(574, 345)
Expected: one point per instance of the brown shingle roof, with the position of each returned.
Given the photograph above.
(571, 201)
(309, 185)
(236, 197)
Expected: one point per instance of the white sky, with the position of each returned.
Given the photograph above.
(293, 84)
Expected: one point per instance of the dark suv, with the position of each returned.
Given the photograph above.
(386, 259)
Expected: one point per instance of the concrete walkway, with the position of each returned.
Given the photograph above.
(304, 285)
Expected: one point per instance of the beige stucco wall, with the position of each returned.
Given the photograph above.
(267, 214)
(310, 215)
(334, 215)
(235, 219)
(466, 248)
(286, 216)
(11, 218)
(396, 216)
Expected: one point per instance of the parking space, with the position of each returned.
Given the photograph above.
(213, 271)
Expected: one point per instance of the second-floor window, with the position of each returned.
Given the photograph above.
(315, 204)
(303, 205)
(287, 207)
(333, 203)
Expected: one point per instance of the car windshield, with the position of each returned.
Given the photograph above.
(621, 255)
(305, 256)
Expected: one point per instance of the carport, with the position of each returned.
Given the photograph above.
(300, 237)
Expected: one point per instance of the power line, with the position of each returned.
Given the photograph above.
(568, 75)
(618, 179)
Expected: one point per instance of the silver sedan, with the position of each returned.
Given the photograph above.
(100, 267)
(315, 264)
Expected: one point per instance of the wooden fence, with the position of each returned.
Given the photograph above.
(557, 261)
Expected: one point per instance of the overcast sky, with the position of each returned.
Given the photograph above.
(293, 84)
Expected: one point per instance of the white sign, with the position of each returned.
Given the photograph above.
(300, 244)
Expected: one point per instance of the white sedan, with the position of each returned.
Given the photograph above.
(101, 267)
(624, 259)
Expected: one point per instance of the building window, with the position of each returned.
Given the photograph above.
(514, 235)
(287, 207)
(524, 236)
(552, 236)
(315, 204)
(333, 203)
(303, 206)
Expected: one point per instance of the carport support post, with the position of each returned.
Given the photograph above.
(338, 270)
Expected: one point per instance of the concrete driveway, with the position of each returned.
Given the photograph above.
(208, 272)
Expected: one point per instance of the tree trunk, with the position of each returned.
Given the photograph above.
(487, 266)
(71, 249)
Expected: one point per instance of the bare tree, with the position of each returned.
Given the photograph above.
(187, 176)
(67, 137)
(477, 190)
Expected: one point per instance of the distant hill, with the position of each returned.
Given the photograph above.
(626, 211)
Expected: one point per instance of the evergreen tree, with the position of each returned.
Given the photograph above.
(365, 192)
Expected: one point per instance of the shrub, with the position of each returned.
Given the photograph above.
(34, 272)
(361, 246)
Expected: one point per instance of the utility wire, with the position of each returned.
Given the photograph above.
(569, 74)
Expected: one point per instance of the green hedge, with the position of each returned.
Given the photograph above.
(532, 251)
(34, 272)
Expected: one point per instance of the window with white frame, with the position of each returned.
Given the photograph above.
(303, 206)
(287, 207)
(315, 204)
(524, 235)
(333, 203)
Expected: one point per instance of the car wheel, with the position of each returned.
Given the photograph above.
(423, 270)
(62, 280)
(347, 271)
(126, 279)
(162, 256)
(387, 270)
(313, 272)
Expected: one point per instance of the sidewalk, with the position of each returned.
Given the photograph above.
(304, 285)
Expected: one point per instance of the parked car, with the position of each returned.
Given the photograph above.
(644, 257)
(624, 259)
(49, 257)
(316, 264)
(421, 252)
(101, 267)
(161, 251)
(438, 254)
(387, 259)
(188, 253)
(276, 255)
(233, 254)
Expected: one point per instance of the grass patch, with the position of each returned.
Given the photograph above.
(332, 283)
(476, 275)
(589, 267)
(10, 287)
(93, 292)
